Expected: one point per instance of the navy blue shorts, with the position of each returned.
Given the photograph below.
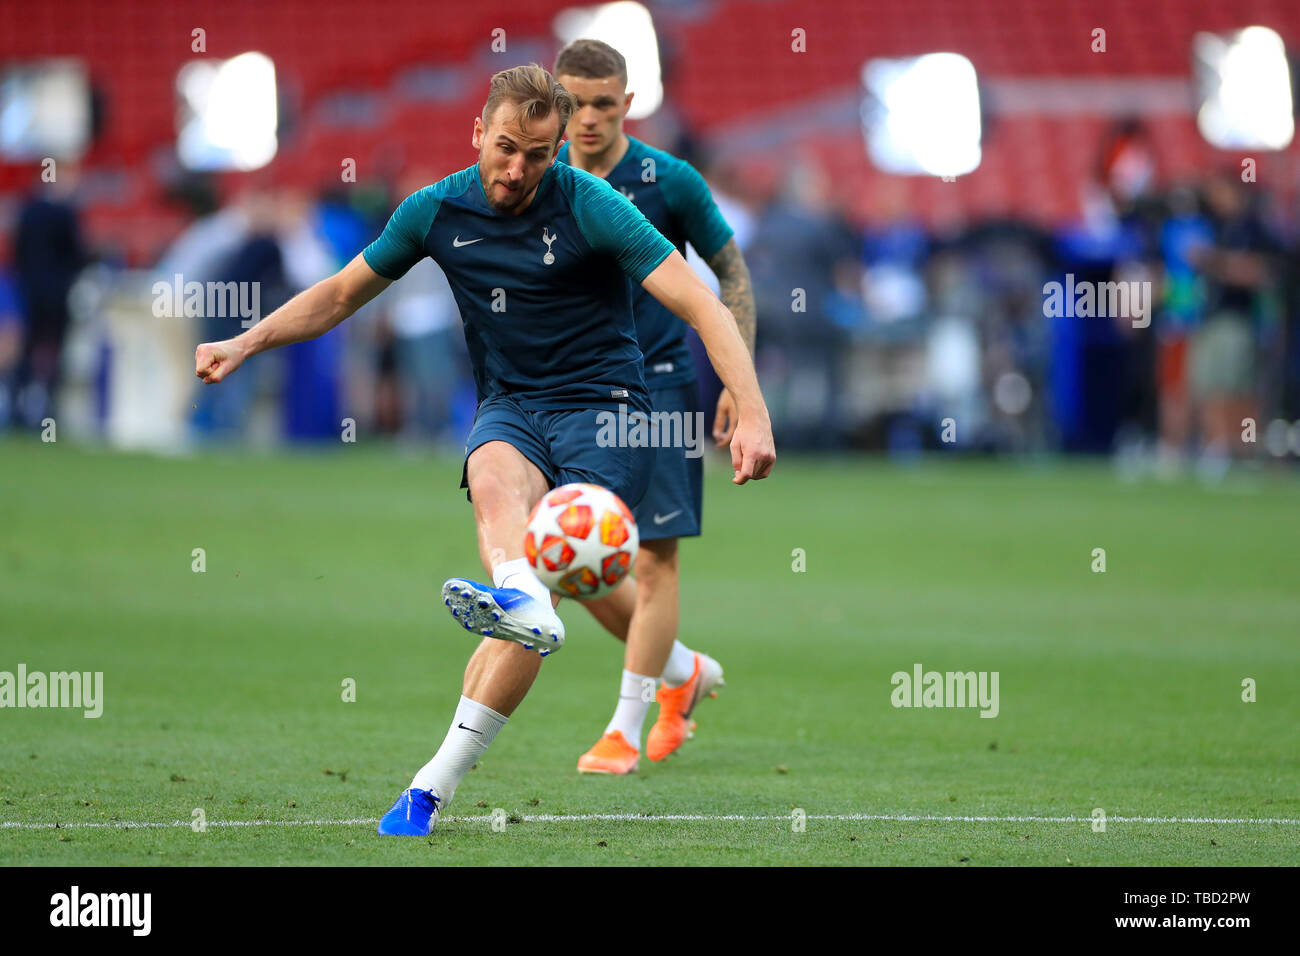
(565, 444)
(673, 504)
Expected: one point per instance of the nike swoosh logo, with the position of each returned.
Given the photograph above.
(468, 242)
(660, 519)
(470, 729)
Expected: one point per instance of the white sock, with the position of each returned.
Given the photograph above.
(472, 729)
(519, 575)
(636, 693)
(680, 666)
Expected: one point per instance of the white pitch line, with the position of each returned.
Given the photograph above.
(662, 818)
(893, 818)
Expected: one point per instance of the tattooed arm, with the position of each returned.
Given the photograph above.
(735, 289)
(737, 294)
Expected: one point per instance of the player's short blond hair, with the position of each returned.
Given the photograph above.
(534, 92)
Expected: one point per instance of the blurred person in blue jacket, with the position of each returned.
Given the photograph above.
(49, 254)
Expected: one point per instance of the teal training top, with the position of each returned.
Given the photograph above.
(676, 200)
(543, 295)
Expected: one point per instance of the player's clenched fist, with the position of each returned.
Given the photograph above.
(213, 361)
(752, 450)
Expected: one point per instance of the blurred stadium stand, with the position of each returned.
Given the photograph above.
(395, 87)
(734, 80)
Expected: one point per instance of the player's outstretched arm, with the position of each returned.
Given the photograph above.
(680, 290)
(308, 314)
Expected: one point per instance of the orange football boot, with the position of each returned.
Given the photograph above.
(676, 704)
(612, 754)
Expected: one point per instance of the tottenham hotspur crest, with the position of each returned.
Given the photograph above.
(548, 239)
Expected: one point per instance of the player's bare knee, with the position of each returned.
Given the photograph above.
(656, 566)
(495, 490)
(502, 480)
(491, 491)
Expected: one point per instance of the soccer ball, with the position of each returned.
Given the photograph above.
(581, 540)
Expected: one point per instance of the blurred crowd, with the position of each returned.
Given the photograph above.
(884, 335)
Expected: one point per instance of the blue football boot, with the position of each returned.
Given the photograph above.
(506, 614)
(414, 814)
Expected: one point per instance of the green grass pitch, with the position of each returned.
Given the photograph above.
(224, 689)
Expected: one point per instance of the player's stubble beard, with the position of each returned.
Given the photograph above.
(513, 200)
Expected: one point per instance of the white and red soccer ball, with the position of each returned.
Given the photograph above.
(581, 540)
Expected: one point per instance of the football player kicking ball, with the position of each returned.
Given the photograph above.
(644, 612)
(538, 256)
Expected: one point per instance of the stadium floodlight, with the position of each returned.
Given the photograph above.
(1244, 85)
(227, 113)
(44, 111)
(921, 115)
(627, 27)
